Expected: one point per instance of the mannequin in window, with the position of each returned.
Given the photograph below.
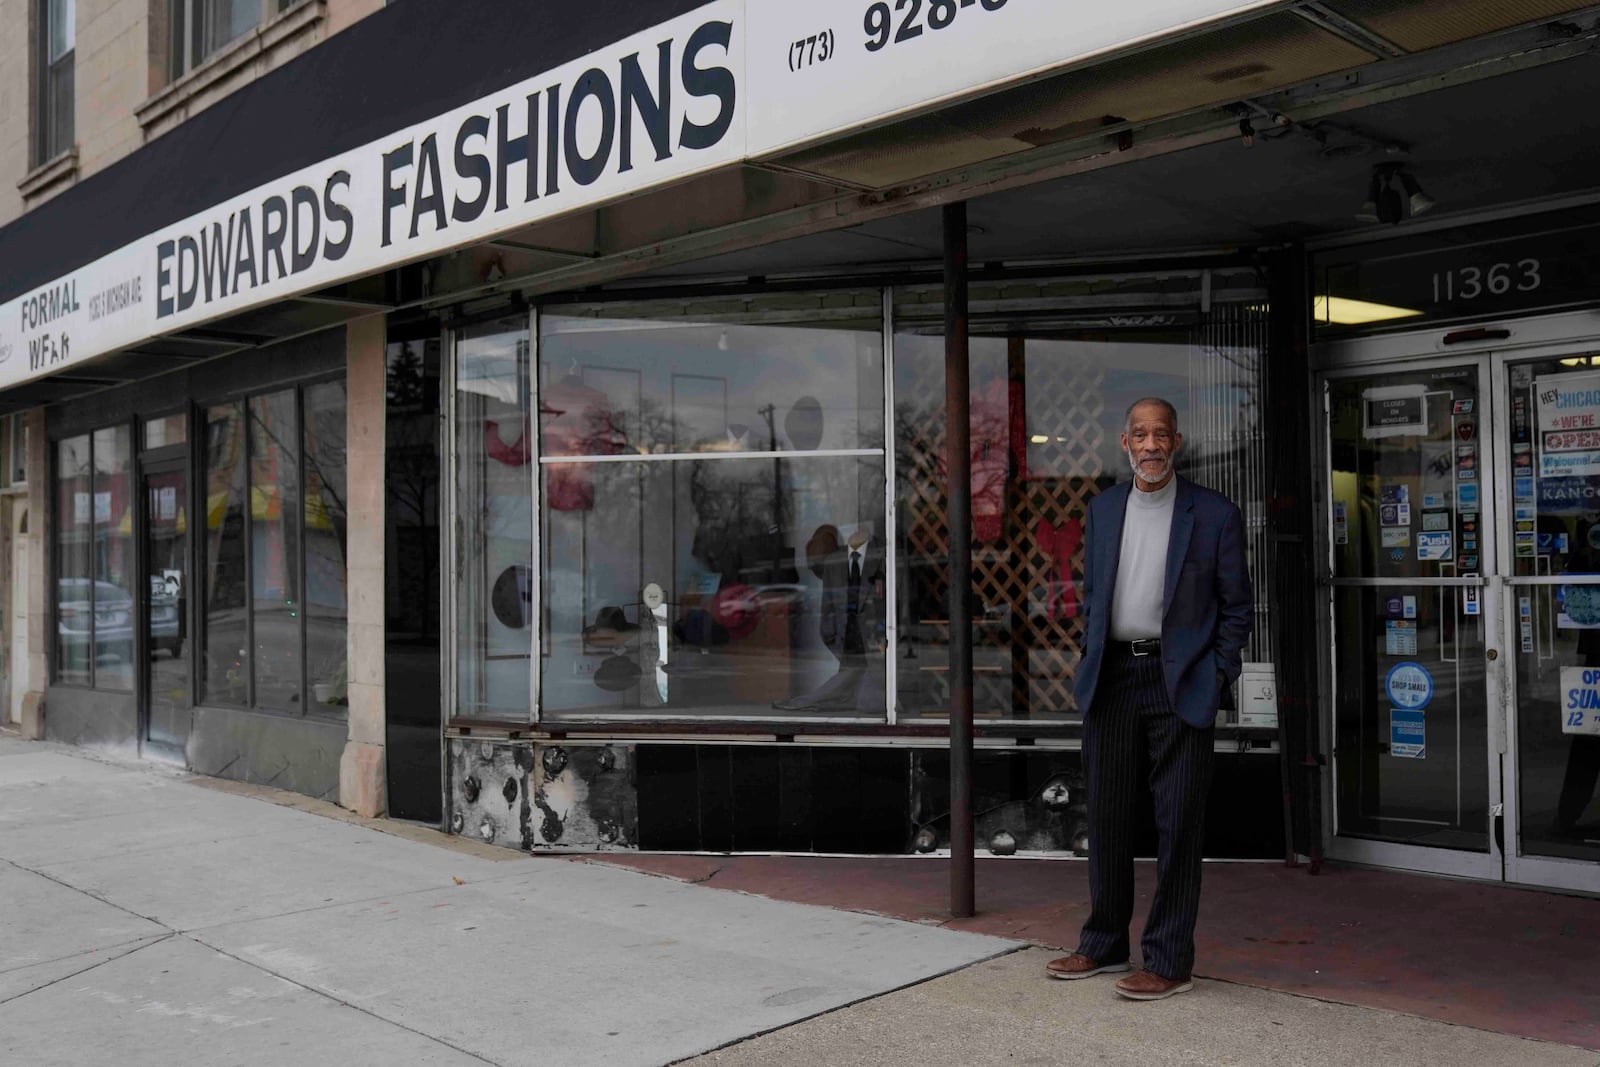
(852, 627)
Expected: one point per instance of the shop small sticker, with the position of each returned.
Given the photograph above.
(1409, 685)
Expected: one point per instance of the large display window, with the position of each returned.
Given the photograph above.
(94, 560)
(275, 605)
(691, 509)
(1052, 377)
(494, 522)
(712, 524)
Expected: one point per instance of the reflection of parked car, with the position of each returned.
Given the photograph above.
(166, 625)
(111, 613)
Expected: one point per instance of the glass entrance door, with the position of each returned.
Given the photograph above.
(1414, 639)
(1549, 420)
(167, 680)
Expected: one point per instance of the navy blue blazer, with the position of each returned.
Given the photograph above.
(1208, 608)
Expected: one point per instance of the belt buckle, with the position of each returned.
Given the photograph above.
(1143, 646)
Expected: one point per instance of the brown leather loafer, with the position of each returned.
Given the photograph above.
(1147, 985)
(1078, 965)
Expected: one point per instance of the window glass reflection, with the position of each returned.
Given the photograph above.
(114, 563)
(325, 541)
(1047, 406)
(494, 515)
(708, 582)
(226, 659)
(275, 550)
(73, 552)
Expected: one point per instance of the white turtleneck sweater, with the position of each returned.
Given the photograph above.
(1142, 568)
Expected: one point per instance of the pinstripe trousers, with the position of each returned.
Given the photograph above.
(1132, 737)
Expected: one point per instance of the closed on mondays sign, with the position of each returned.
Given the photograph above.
(730, 81)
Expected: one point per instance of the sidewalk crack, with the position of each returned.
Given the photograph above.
(85, 970)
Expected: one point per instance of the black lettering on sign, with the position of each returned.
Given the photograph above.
(594, 84)
(707, 81)
(188, 271)
(336, 213)
(473, 166)
(431, 201)
(274, 228)
(509, 150)
(303, 237)
(655, 109)
(215, 267)
(393, 195)
(244, 260)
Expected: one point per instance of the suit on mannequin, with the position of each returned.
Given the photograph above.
(851, 622)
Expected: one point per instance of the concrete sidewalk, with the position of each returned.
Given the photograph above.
(176, 924)
(148, 918)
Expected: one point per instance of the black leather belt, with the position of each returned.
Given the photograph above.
(1145, 646)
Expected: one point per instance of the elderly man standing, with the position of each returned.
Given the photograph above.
(1167, 595)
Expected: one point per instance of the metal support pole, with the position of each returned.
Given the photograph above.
(958, 447)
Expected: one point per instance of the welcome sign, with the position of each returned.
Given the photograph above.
(730, 81)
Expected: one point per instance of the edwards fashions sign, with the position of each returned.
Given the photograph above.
(730, 81)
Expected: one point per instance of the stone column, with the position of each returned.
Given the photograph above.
(362, 768)
(40, 567)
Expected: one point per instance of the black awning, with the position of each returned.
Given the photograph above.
(407, 62)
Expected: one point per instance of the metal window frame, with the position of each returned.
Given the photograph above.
(188, 23)
(46, 102)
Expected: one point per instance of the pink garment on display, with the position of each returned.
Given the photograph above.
(1060, 543)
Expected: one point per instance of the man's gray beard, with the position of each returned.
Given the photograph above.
(1142, 476)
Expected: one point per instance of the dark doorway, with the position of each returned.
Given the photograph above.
(411, 586)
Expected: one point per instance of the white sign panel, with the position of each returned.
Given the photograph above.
(656, 107)
(827, 67)
(1569, 425)
(729, 81)
(1580, 700)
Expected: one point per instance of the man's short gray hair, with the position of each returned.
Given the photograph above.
(1172, 412)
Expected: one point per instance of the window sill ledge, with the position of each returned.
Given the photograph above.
(52, 175)
(285, 29)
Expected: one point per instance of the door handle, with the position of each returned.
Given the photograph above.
(1492, 654)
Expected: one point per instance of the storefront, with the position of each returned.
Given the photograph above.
(739, 534)
(636, 370)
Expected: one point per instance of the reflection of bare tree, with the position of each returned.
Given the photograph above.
(411, 481)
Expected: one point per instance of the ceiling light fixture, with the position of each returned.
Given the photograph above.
(1386, 203)
(1343, 311)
